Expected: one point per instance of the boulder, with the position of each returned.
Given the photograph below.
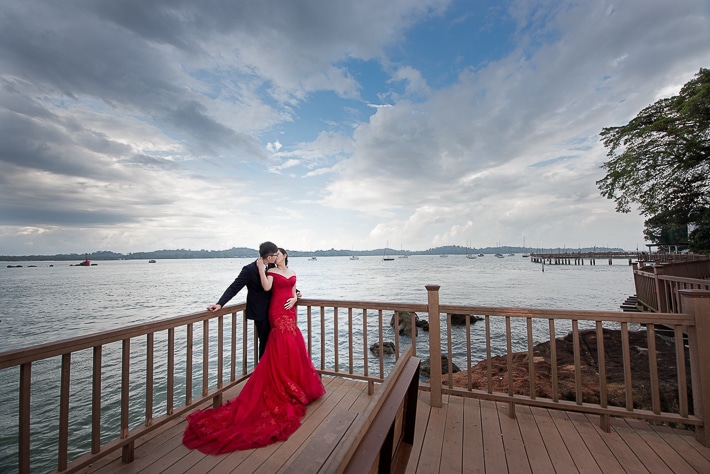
(405, 322)
(425, 367)
(460, 319)
(387, 348)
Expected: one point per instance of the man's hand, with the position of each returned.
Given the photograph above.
(214, 307)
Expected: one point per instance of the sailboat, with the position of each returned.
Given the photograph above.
(402, 254)
(384, 255)
(525, 254)
(468, 253)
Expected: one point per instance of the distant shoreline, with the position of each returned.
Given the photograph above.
(243, 252)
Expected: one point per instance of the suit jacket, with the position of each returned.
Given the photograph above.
(257, 299)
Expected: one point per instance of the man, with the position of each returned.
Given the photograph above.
(257, 299)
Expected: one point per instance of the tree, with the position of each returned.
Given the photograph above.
(660, 161)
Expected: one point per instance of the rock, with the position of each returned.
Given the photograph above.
(425, 367)
(616, 393)
(405, 322)
(460, 319)
(387, 348)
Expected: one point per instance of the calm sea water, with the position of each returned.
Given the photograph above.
(54, 301)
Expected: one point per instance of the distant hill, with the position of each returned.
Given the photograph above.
(243, 252)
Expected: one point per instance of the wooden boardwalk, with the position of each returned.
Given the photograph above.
(465, 435)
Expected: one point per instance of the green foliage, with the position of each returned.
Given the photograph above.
(660, 161)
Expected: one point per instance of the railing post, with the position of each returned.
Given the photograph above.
(696, 303)
(434, 345)
(661, 297)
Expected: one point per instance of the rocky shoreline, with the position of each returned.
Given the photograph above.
(589, 360)
(616, 392)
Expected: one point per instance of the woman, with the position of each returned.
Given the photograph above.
(273, 401)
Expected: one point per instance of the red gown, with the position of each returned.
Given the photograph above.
(273, 401)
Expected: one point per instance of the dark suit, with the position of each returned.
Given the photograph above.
(257, 301)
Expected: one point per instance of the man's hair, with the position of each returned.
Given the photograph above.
(267, 248)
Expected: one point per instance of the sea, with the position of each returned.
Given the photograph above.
(48, 301)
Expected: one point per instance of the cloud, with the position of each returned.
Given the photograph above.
(135, 125)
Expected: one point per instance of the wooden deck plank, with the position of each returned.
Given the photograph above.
(466, 435)
(576, 446)
(452, 447)
(670, 456)
(690, 439)
(148, 455)
(641, 449)
(430, 455)
(317, 451)
(423, 412)
(622, 452)
(532, 439)
(554, 444)
(603, 456)
(685, 445)
(493, 448)
(473, 461)
(515, 455)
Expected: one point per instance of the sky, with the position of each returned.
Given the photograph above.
(134, 126)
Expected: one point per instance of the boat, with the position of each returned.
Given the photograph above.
(313, 258)
(151, 261)
(385, 258)
(443, 256)
(499, 255)
(354, 257)
(481, 255)
(85, 263)
(402, 254)
(469, 254)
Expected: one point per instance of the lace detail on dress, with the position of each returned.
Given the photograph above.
(285, 324)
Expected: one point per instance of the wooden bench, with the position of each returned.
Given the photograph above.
(379, 439)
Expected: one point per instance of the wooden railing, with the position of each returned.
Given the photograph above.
(658, 285)
(158, 362)
(102, 346)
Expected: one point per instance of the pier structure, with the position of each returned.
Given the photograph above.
(578, 258)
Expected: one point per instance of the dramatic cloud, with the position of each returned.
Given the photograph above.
(132, 126)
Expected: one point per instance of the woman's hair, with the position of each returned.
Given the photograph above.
(285, 255)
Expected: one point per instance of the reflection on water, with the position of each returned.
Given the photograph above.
(69, 301)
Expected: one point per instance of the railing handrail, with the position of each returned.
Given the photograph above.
(46, 350)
